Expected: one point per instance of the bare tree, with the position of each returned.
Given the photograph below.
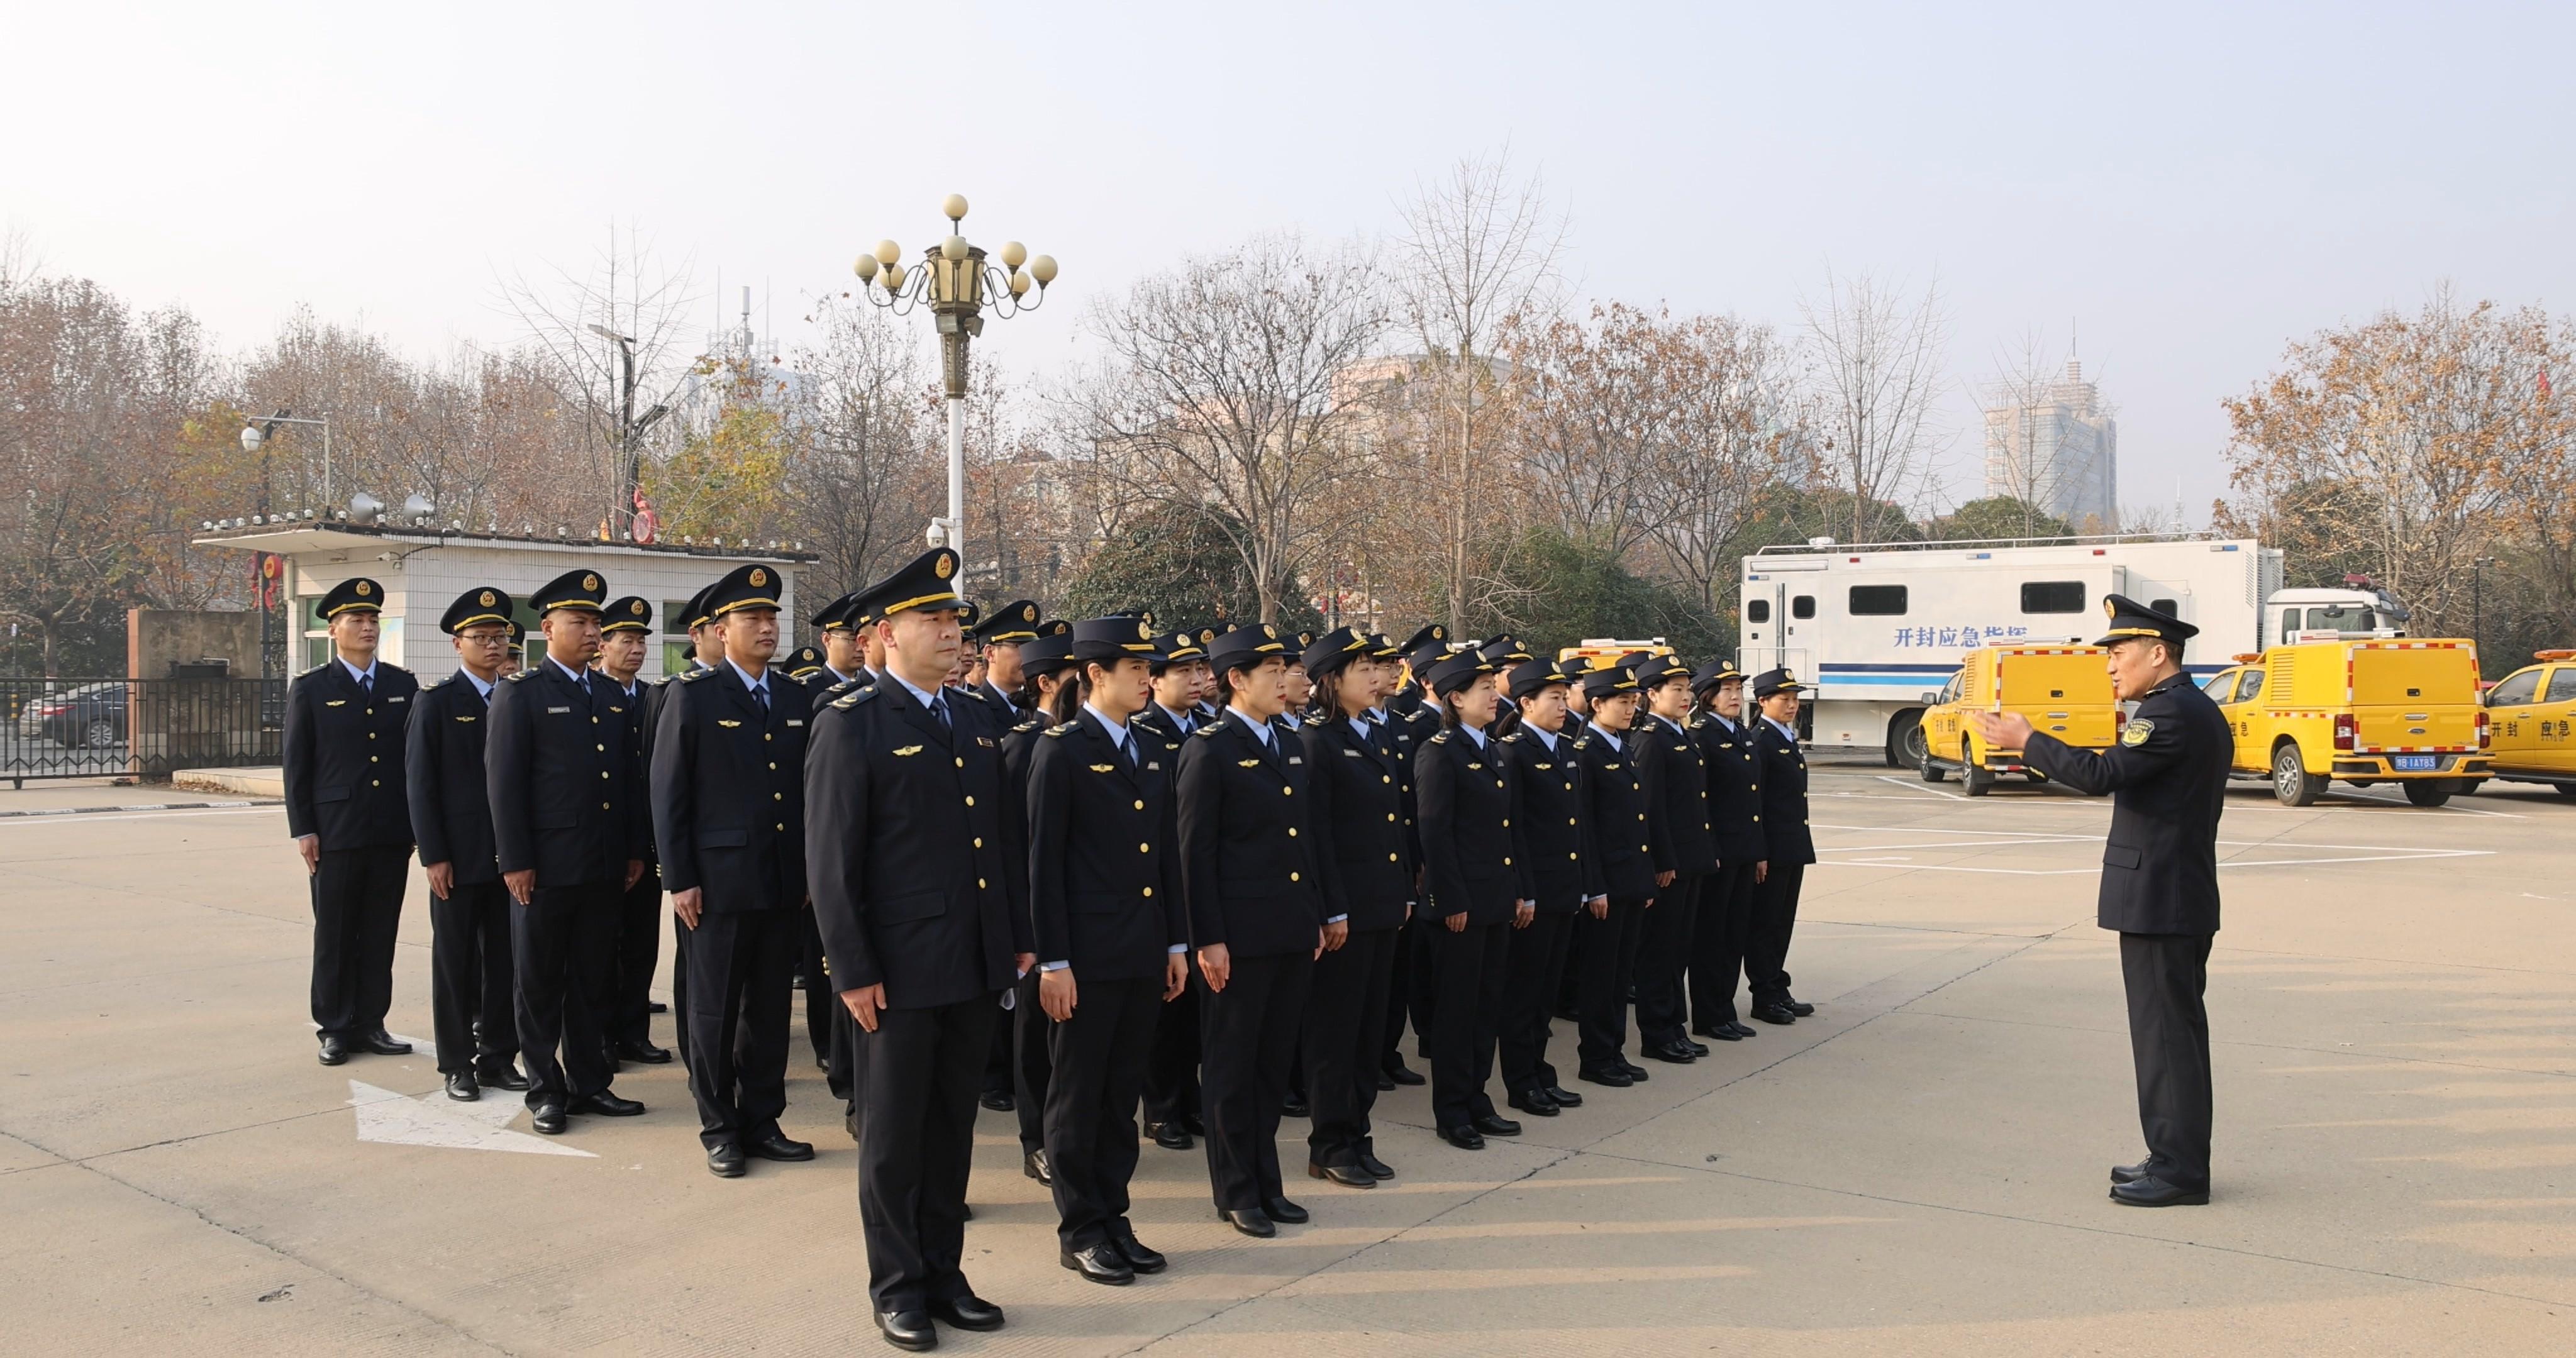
(1877, 363)
(2020, 451)
(861, 488)
(1742, 418)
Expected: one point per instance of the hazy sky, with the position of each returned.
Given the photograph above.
(2189, 187)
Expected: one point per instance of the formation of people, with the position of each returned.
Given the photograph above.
(1093, 873)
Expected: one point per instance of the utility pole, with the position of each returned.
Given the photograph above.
(630, 435)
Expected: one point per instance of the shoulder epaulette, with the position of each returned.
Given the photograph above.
(1062, 729)
(521, 677)
(1440, 739)
(1210, 729)
(1583, 742)
(315, 670)
(855, 698)
(1030, 725)
(694, 676)
(975, 693)
(1513, 739)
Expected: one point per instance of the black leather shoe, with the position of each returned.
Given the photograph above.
(1494, 1125)
(1775, 1013)
(1536, 1103)
(1378, 1169)
(1724, 1032)
(1133, 1250)
(547, 1118)
(1385, 1082)
(656, 1007)
(1280, 1209)
(726, 1162)
(776, 1146)
(605, 1104)
(2152, 1191)
(998, 1101)
(1742, 1029)
(1563, 1097)
(383, 1043)
(1801, 1008)
(969, 1312)
(1034, 1165)
(332, 1052)
(1611, 1076)
(908, 1329)
(2129, 1174)
(1100, 1263)
(1295, 1106)
(1696, 1048)
(462, 1088)
(1250, 1221)
(1636, 1072)
(1672, 1052)
(1348, 1176)
(1171, 1136)
(1403, 1074)
(1464, 1138)
(850, 1122)
(1191, 1124)
(501, 1077)
(643, 1052)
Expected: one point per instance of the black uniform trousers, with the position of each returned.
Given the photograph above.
(1033, 1061)
(1663, 950)
(2166, 976)
(1096, 1060)
(917, 1075)
(742, 963)
(357, 910)
(1422, 978)
(1609, 957)
(470, 980)
(1399, 985)
(1530, 982)
(1726, 899)
(820, 1002)
(1172, 1092)
(1466, 1014)
(639, 951)
(1247, 1037)
(1344, 1044)
(680, 987)
(997, 1060)
(563, 945)
(1766, 936)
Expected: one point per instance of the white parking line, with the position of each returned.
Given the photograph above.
(1920, 787)
(2360, 796)
(56, 822)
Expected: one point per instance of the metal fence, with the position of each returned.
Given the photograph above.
(137, 728)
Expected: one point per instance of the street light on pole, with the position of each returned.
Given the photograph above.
(257, 433)
(959, 286)
(630, 432)
(2478, 609)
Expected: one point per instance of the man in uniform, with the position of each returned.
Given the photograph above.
(915, 861)
(2168, 781)
(1172, 1071)
(345, 810)
(451, 815)
(625, 629)
(568, 821)
(728, 810)
(1743, 852)
(1000, 636)
(703, 653)
(1685, 851)
(843, 655)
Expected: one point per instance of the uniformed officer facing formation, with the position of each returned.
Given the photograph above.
(470, 978)
(569, 823)
(729, 812)
(1787, 842)
(346, 809)
(2168, 780)
(916, 863)
(625, 630)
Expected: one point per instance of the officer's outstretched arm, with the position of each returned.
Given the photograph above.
(2148, 746)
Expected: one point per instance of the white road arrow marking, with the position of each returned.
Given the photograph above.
(434, 1119)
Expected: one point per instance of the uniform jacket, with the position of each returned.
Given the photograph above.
(728, 788)
(1614, 798)
(1734, 789)
(1362, 847)
(1020, 746)
(1104, 860)
(1684, 838)
(1004, 705)
(1473, 859)
(344, 757)
(451, 807)
(565, 776)
(915, 848)
(1550, 820)
(1248, 865)
(1784, 796)
(2168, 781)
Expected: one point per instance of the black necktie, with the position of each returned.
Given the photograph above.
(367, 683)
(1127, 747)
(939, 709)
(761, 691)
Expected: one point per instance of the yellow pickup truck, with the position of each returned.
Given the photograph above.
(2530, 713)
(2395, 710)
(2064, 690)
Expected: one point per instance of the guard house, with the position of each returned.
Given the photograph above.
(423, 568)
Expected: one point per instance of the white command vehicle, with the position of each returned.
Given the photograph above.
(1878, 628)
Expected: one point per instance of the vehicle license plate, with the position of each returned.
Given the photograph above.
(2416, 763)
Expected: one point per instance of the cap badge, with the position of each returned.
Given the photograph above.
(2109, 609)
(1270, 632)
(489, 598)
(1438, 635)
(1145, 631)
(944, 567)
(364, 589)
(1029, 614)
(636, 608)
(590, 582)
(759, 578)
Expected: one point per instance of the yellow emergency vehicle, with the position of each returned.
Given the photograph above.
(2529, 716)
(2393, 710)
(1601, 652)
(2063, 690)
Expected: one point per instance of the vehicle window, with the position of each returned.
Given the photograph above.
(1878, 601)
(2052, 596)
(1950, 690)
(2562, 684)
(2219, 684)
(1757, 610)
(2340, 618)
(2289, 622)
(2250, 687)
(1802, 606)
(2518, 688)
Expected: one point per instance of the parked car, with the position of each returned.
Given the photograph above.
(89, 716)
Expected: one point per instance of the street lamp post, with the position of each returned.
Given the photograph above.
(959, 287)
(2478, 609)
(257, 433)
(630, 432)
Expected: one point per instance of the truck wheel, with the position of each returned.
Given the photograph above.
(1974, 781)
(2429, 791)
(2465, 787)
(2565, 789)
(1932, 770)
(2291, 781)
(1905, 744)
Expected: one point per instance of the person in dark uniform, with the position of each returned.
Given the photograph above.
(1018, 1067)
(704, 650)
(1112, 934)
(843, 653)
(1256, 920)
(1172, 1071)
(1395, 736)
(1616, 812)
(826, 1022)
(1476, 891)
(729, 813)
(1000, 637)
(345, 810)
(1506, 655)
(1426, 647)
(1726, 899)
(451, 817)
(2168, 782)
(1685, 849)
(1417, 966)
(563, 768)
(915, 859)
(1366, 861)
(1788, 847)
(625, 630)
(802, 664)
(1547, 776)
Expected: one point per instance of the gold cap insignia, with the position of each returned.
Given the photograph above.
(1145, 630)
(1786, 677)
(1029, 614)
(759, 577)
(1438, 635)
(636, 608)
(590, 582)
(1206, 635)
(944, 567)
(364, 589)
(2109, 609)
(490, 599)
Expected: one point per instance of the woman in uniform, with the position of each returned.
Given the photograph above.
(1477, 880)
(1551, 823)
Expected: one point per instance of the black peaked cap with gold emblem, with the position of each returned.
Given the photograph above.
(691, 615)
(929, 581)
(1013, 621)
(1529, 679)
(1503, 650)
(1780, 680)
(1113, 638)
(1456, 672)
(1177, 647)
(2131, 619)
(747, 586)
(1246, 646)
(478, 605)
(578, 589)
(802, 661)
(358, 594)
(1712, 674)
(630, 614)
(1052, 652)
(1609, 681)
(840, 615)
(1333, 650)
